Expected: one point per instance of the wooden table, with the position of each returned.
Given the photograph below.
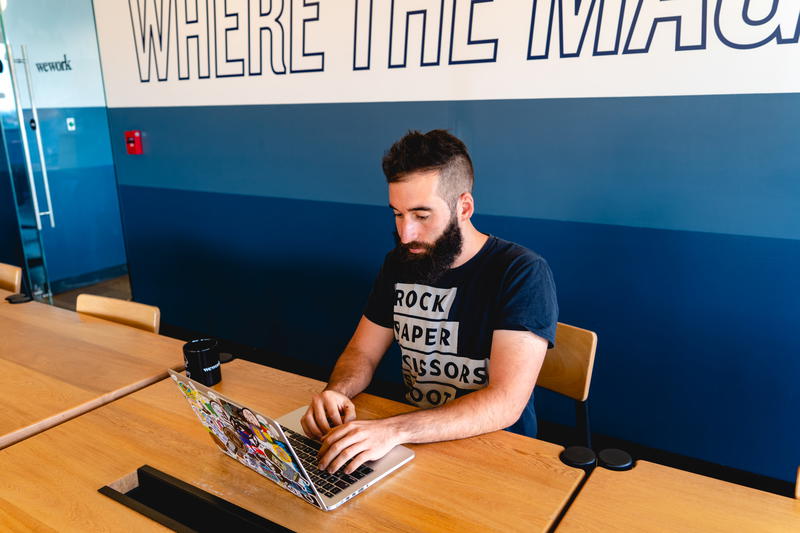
(56, 364)
(497, 482)
(653, 497)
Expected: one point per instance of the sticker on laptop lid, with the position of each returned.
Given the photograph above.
(251, 439)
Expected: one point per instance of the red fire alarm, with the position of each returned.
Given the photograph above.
(133, 141)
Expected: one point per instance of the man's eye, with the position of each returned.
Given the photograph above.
(397, 215)
(422, 217)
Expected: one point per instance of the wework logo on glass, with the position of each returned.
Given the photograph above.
(55, 66)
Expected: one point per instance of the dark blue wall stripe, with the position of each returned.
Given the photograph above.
(696, 350)
(724, 164)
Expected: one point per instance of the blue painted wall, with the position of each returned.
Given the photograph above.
(670, 225)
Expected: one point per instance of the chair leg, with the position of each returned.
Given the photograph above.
(582, 423)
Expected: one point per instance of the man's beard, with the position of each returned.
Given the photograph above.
(428, 266)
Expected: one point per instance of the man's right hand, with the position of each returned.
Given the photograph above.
(328, 409)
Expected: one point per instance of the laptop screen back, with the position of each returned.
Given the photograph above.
(254, 440)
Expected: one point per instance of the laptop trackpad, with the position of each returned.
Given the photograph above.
(292, 420)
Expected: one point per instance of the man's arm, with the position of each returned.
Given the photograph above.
(514, 365)
(351, 375)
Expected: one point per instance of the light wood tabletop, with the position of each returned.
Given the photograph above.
(656, 498)
(495, 482)
(56, 364)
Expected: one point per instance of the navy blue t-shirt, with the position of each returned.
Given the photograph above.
(445, 329)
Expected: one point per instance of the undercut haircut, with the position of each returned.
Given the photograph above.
(435, 150)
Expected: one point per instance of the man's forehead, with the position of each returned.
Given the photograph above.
(419, 178)
(418, 183)
(417, 191)
(415, 199)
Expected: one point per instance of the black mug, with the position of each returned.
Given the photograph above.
(202, 361)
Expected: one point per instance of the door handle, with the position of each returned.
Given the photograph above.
(34, 125)
(24, 136)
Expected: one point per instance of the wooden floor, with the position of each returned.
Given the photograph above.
(114, 288)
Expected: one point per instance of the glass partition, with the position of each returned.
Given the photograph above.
(57, 145)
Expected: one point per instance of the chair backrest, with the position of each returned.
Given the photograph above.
(10, 277)
(567, 368)
(134, 314)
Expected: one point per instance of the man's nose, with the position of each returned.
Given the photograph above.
(407, 230)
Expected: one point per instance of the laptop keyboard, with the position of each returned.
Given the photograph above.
(328, 484)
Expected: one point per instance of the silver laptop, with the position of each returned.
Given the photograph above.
(279, 450)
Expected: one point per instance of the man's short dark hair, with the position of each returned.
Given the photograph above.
(435, 150)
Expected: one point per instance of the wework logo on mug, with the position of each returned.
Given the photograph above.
(55, 66)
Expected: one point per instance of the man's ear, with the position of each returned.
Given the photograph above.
(466, 206)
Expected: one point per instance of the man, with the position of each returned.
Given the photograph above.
(473, 315)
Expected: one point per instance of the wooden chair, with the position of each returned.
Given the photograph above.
(567, 370)
(146, 317)
(10, 277)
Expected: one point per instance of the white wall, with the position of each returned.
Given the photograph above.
(162, 53)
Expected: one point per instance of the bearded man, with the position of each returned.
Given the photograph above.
(473, 315)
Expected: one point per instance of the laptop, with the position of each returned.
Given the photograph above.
(279, 450)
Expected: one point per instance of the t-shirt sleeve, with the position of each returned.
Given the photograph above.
(527, 299)
(379, 308)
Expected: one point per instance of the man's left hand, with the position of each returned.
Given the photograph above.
(357, 441)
